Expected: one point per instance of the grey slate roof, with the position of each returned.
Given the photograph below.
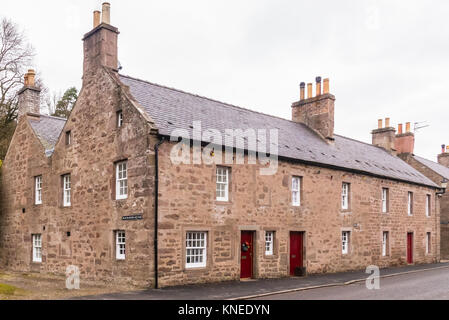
(48, 129)
(173, 109)
(435, 166)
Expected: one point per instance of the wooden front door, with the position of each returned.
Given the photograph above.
(410, 248)
(246, 258)
(296, 251)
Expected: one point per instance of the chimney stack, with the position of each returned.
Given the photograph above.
(384, 137)
(316, 112)
(100, 44)
(29, 95)
(405, 142)
(443, 158)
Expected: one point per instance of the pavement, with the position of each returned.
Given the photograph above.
(243, 290)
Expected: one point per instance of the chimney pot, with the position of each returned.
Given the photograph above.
(106, 14)
(31, 78)
(443, 148)
(400, 128)
(326, 86)
(318, 86)
(407, 126)
(380, 124)
(302, 87)
(309, 90)
(387, 122)
(447, 149)
(96, 18)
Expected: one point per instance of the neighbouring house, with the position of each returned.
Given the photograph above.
(438, 172)
(122, 188)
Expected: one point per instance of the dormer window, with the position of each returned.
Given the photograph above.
(119, 119)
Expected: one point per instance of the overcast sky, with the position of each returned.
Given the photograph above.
(384, 58)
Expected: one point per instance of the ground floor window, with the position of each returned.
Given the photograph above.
(385, 244)
(428, 242)
(269, 243)
(37, 248)
(196, 249)
(120, 244)
(345, 237)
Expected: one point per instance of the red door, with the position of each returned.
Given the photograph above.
(246, 249)
(296, 251)
(410, 248)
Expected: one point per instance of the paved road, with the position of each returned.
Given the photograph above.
(427, 285)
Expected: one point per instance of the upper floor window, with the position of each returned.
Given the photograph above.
(385, 200)
(410, 204)
(120, 245)
(121, 186)
(345, 193)
(269, 243)
(222, 184)
(37, 247)
(345, 237)
(196, 249)
(67, 188)
(296, 191)
(428, 205)
(68, 138)
(119, 119)
(38, 190)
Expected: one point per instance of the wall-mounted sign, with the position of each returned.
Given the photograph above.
(133, 218)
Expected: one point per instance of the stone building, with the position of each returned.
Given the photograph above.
(438, 172)
(138, 186)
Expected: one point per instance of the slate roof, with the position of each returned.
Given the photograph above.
(48, 130)
(174, 109)
(434, 166)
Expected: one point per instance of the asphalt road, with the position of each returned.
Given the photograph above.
(427, 285)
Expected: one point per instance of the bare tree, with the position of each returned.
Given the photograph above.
(16, 54)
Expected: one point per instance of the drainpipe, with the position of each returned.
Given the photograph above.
(156, 211)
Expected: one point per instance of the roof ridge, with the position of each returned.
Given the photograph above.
(207, 98)
(53, 117)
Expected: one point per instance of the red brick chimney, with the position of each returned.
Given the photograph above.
(316, 112)
(443, 158)
(405, 142)
(29, 95)
(100, 44)
(385, 137)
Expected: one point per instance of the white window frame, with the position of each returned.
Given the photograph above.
(410, 203)
(385, 240)
(120, 119)
(67, 190)
(428, 242)
(121, 180)
(428, 205)
(269, 243)
(345, 242)
(196, 249)
(68, 138)
(38, 190)
(345, 194)
(222, 184)
(120, 245)
(296, 191)
(385, 192)
(37, 248)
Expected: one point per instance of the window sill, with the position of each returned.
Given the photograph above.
(196, 269)
(343, 211)
(222, 202)
(271, 257)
